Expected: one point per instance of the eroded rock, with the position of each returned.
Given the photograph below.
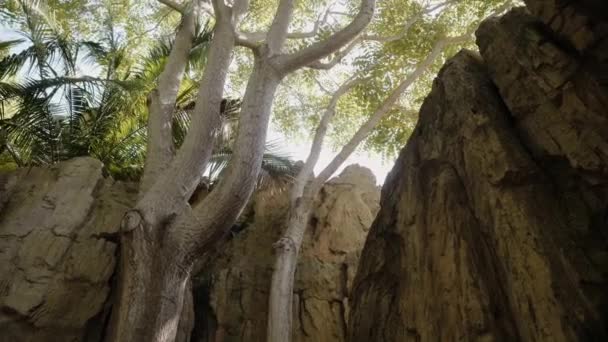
(232, 299)
(57, 250)
(492, 223)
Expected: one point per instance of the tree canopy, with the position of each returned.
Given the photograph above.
(111, 52)
(71, 87)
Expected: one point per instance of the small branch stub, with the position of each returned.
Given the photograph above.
(285, 243)
(131, 221)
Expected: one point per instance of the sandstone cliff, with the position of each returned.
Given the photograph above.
(493, 222)
(232, 298)
(58, 253)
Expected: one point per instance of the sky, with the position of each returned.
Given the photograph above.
(298, 150)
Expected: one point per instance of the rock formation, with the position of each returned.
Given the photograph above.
(58, 253)
(57, 250)
(493, 222)
(232, 298)
(492, 225)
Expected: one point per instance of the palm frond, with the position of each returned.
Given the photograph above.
(278, 169)
(95, 52)
(200, 47)
(12, 63)
(7, 45)
(32, 131)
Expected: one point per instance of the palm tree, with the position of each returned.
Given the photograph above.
(49, 113)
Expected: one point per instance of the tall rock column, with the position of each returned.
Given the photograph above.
(493, 222)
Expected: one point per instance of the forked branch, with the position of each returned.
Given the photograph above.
(317, 144)
(383, 109)
(180, 179)
(277, 34)
(254, 39)
(161, 104)
(324, 48)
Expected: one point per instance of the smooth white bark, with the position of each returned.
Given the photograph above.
(306, 173)
(277, 34)
(255, 38)
(155, 266)
(162, 237)
(176, 184)
(324, 48)
(161, 104)
(287, 248)
(217, 212)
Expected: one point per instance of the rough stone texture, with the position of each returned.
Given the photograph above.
(556, 99)
(56, 251)
(493, 222)
(232, 299)
(582, 24)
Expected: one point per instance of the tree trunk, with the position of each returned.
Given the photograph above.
(280, 311)
(152, 285)
(186, 320)
(163, 236)
(307, 186)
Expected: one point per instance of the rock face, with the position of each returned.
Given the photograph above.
(493, 222)
(58, 253)
(492, 225)
(231, 299)
(56, 250)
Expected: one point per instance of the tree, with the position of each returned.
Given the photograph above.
(307, 185)
(163, 235)
(48, 114)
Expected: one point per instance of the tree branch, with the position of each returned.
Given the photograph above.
(277, 34)
(183, 175)
(337, 57)
(384, 108)
(239, 9)
(319, 50)
(173, 5)
(322, 87)
(257, 37)
(305, 173)
(409, 23)
(241, 40)
(216, 212)
(220, 9)
(161, 104)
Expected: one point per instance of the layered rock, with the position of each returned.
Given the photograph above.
(57, 250)
(493, 222)
(231, 299)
